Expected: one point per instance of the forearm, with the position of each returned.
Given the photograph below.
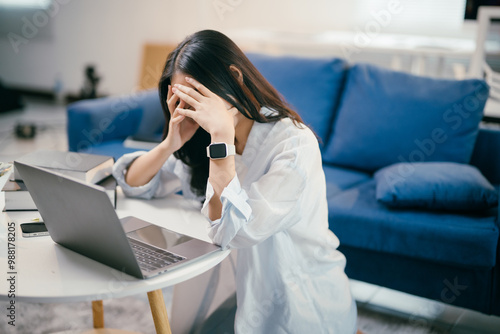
(221, 172)
(145, 167)
(217, 117)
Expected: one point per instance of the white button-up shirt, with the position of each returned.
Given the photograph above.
(289, 275)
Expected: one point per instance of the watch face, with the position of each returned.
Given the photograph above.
(218, 151)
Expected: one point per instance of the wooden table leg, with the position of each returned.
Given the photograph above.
(159, 312)
(98, 314)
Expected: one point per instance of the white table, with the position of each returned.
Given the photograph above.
(47, 272)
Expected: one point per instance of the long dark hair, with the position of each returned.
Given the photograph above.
(207, 56)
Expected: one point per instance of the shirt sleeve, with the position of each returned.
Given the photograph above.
(164, 182)
(271, 204)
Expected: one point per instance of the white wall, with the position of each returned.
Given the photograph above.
(107, 33)
(110, 33)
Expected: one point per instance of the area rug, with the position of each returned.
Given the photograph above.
(133, 314)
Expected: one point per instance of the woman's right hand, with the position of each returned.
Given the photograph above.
(180, 128)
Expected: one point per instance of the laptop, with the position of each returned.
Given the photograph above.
(81, 217)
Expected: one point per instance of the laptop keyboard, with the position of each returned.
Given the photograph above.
(151, 258)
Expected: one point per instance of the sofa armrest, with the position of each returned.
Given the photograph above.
(486, 154)
(498, 213)
(94, 122)
(486, 157)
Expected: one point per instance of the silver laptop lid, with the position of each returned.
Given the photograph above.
(80, 217)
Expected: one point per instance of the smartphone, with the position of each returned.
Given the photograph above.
(34, 229)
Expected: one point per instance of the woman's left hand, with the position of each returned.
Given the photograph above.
(210, 110)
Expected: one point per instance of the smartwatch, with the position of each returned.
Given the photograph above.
(220, 150)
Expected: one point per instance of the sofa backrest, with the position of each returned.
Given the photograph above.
(368, 117)
(312, 86)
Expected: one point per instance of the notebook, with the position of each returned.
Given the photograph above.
(81, 217)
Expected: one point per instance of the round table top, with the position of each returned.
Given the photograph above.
(43, 271)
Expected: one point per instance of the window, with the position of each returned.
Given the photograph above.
(421, 17)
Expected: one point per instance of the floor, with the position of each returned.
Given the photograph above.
(383, 310)
(380, 310)
(50, 122)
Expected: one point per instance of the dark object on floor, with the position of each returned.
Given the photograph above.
(25, 131)
(9, 99)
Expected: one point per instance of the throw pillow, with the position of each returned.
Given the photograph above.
(387, 117)
(435, 185)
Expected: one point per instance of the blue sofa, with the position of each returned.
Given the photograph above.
(398, 154)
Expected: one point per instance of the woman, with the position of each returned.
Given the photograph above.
(261, 183)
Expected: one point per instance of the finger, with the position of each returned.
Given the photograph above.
(181, 105)
(188, 113)
(177, 119)
(169, 92)
(171, 97)
(202, 89)
(172, 101)
(189, 95)
(233, 110)
(193, 92)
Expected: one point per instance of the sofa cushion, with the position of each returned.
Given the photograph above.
(359, 220)
(435, 185)
(339, 179)
(311, 86)
(387, 117)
